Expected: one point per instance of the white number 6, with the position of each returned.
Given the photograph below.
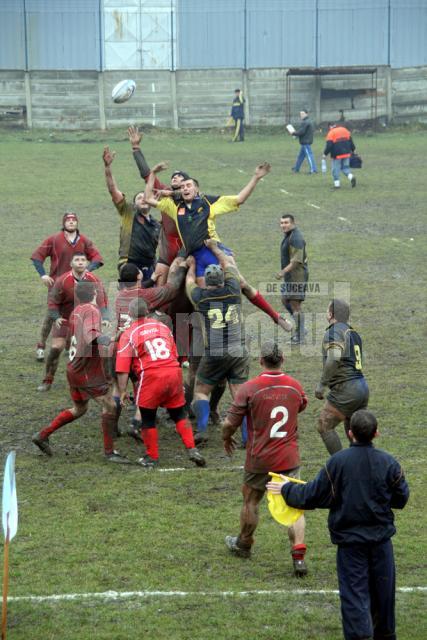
(274, 432)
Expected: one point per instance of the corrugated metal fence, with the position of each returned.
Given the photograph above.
(199, 34)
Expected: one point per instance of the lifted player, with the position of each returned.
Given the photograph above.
(148, 349)
(271, 403)
(61, 304)
(85, 374)
(60, 248)
(342, 373)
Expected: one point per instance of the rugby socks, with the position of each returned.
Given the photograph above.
(298, 551)
(259, 301)
(150, 438)
(62, 418)
(116, 432)
(244, 428)
(185, 431)
(109, 428)
(216, 395)
(201, 410)
(52, 364)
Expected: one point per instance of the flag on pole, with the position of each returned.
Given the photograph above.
(9, 502)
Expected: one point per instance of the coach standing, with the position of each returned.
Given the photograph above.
(294, 271)
(305, 135)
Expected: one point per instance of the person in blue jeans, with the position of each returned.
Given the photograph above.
(305, 135)
(360, 486)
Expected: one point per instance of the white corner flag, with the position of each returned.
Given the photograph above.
(9, 502)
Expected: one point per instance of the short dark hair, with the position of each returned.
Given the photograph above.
(340, 310)
(363, 424)
(196, 182)
(271, 354)
(288, 215)
(138, 308)
(128, 274)
(235, 90)
(304, 110)
(136, 195)
(84, 291)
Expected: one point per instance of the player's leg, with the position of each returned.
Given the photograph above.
(345, 168)
(353, 580)
(79, 408)
(382, 588)
(259, 301)
(52, 361)
(185, 431)
(299, 160)
(150, 438)
(109, 418)
(329, 419)
(44, 334)
(310, 158)
(200, 404)
(296, 535)
(216, 395)
(241, 545)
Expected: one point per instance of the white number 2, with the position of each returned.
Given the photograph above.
(73, 349)
(274, 431)
(158, 349)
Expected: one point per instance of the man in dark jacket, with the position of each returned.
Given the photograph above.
(238, 115)
(340, 145)
(305, 134)
(360, 486)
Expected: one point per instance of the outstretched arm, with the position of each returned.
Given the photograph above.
(260, 172)
(108, 157)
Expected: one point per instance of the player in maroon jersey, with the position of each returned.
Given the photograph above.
(271, 403)
(148, 349)
(61, 304)
(60, 248)
(85, 373)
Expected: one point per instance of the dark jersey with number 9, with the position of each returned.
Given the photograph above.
(271, 402)
(344, 337)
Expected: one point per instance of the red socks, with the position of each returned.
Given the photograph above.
(109, 428)
(259, 301)
(185, 430)
(62, 418)
(298, 551)
(150, 438)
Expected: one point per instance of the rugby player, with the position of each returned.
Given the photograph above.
(148, 349)
(61, 304)
(342, 373)
(194, 216)
(225, 355)
(271, 403)
(139, 232)
(60, 248)
(85, 373)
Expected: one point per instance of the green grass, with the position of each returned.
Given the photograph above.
(87, 527)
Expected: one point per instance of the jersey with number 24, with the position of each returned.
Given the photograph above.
(271, 402)
(146, 345)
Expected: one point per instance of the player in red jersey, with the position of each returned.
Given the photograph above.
(271, 403)
(61, 304)
(148, 349)
(85, 373)
(60, 248)
(169, 240)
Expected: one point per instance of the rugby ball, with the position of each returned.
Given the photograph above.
(123, 91)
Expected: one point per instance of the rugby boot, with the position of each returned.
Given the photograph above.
(45, 385)
(147, 462)
(232, 543)
(117, 458)
(42, 444)
(200, 438)
(195, 456)
(300, 568)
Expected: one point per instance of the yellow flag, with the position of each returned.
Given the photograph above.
(283, 513)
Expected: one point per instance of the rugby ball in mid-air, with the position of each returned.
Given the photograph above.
(123, 91)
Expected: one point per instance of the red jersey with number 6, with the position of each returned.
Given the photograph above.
(85, 367)
(271, 403)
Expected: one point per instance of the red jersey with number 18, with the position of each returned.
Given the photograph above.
(145, 345)
(271, 403)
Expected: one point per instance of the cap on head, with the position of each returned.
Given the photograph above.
(69, 215)
(214, 275)
(180, 173)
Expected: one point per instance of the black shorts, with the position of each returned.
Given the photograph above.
(213, 369)
(349, 396)
(259, 480)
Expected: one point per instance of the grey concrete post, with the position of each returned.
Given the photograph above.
(247, 97)
(175, 123)
(102, 121)
(28, 105)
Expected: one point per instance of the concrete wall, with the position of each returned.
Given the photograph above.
(202, 98)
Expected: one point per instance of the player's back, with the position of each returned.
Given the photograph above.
(274, 401)
(85, 366)
(349, 341)
(150, 344)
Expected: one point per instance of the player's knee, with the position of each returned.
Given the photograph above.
(326, 422)
(177, 414)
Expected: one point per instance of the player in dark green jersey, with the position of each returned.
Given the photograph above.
(225, 355)
(342, 373)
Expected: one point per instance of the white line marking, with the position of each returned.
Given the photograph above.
(240, 171)
(123, 595)
(313, 205)
(343, 219)
(283, 191)
(173, 469)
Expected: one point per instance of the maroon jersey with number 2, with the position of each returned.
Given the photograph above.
(271, 403)
(85, 367)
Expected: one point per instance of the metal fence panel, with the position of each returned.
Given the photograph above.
(281, 33)
(352, 33)
(210, 34)
(12, 35)
(63, 34)
(408, 33)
